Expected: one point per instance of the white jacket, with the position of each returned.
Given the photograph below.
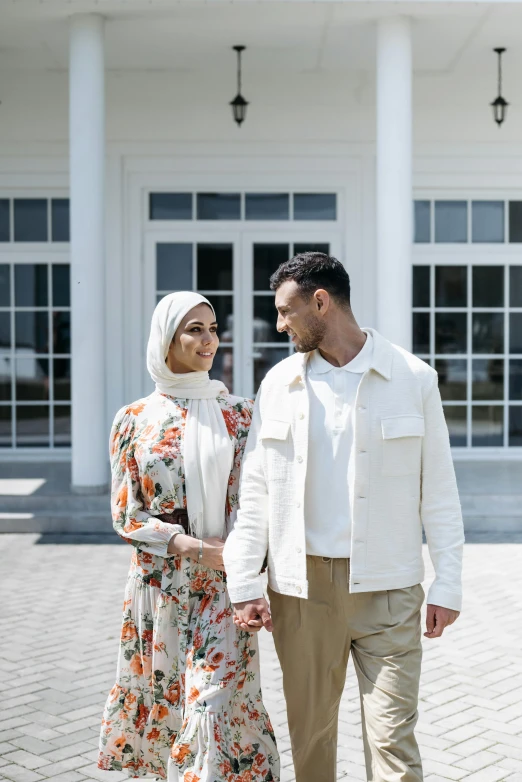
(403, 481)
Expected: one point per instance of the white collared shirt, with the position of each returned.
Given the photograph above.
(332, 391)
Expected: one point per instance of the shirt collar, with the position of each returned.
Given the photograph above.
(381, 359)
(359, 364)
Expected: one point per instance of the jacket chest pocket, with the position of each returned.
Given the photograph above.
(276, 441)
(402, 444)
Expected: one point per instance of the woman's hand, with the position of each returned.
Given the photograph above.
(187, 546)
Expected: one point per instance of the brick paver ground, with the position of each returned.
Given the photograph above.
(59, 623)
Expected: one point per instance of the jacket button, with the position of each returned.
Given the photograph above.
(299, 459)
(298, 590)
(301, 416)
(298, 550)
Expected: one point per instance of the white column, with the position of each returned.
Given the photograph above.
(87, 185)
(394, 179)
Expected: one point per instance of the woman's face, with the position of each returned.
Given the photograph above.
(195, 342)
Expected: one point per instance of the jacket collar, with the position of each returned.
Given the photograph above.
(381, 362)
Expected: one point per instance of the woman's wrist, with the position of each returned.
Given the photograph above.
(183, 545)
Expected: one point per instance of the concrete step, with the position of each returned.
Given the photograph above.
(55, 503)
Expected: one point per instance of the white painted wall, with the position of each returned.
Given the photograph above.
(317, 106)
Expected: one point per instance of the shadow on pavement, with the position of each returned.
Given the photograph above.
(57, 539)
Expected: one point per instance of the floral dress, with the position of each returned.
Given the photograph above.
(187, 700)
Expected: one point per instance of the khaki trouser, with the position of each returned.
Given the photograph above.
(313, 639)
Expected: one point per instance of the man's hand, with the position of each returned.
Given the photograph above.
(437, 618)
(253, 615)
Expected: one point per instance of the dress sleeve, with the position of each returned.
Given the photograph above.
(129, 519)
(245, 419)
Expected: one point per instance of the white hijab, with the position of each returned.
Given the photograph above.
(208, 449)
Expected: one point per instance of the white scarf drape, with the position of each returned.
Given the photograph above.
(208, 449)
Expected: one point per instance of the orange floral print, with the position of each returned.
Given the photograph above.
(184, 670)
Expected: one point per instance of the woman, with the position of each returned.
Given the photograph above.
(187, 701)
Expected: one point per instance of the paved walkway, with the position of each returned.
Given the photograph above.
(59, 625)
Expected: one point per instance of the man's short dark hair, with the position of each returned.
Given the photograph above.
(312, 271)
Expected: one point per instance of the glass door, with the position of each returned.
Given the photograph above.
(265, 346)
(209, 264)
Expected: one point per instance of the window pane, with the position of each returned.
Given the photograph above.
(30, 219)
(170, 206)
(451, 221)
(450, 332)
(219, 206)
(5, 329)
(421, 332)
(60, 219)
(515, 379)
(488, 332)
(62, 378)
(265, 319)
(4, 220)
(174, 267)
(215, 265)
(5, 378)
(422, 221)
(31, 285)
(488, 286)
(452, 378)
(5, 285)
(61, 332)
(487, 219)
(488, 378)
(515, 221)
(515, 332)
(265, 359)
(451, 289)
(311, 247)
(515, 286)
(315, 206)
(267, 258)
(488, 425)
(32, 331)
(32, 379)
(32, 426)
(224, 307)
(61, 285)
(515, 425)
(267, 206)
(456, 421)
(421, 286)
(6, 437)
(223, 367)
(62, 426)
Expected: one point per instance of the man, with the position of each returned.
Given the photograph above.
(347, 459)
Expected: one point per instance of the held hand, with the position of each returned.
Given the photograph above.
(437, 618)
(187, 546)
(253, 615)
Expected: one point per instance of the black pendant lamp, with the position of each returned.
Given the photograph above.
(239, 104)
(500, 104)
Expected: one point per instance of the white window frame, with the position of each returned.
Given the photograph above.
(18, 253)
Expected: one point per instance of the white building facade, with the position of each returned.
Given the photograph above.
(368, 135)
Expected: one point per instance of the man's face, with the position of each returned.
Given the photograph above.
(299, 317)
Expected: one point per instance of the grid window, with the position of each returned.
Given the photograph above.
(242, 206)
(270, 345)
(35, 348)
(461, 222)
(34, 220)
(207, 268)
(467, 323)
